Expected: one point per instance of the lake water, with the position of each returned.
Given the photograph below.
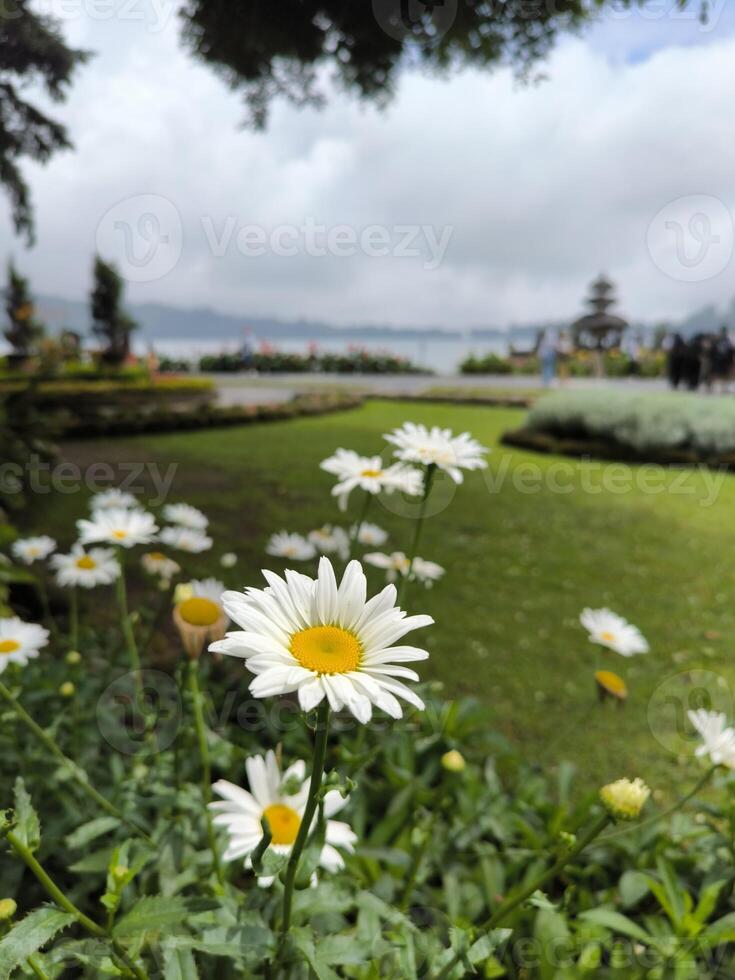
(439, 354)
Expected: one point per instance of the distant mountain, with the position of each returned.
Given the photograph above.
(159, 322)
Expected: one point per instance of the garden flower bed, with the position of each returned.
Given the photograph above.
(666, 428)
(206, 780)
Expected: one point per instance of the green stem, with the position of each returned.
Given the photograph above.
(36, 967)
(428, 480)
(666, 813)
(73, 620)
(127, 626)
(413, 871)
(79, 775)
(192, 673)
(317, 772)
(509, 905)
(46, 606)
(355, 533)
(58, 896)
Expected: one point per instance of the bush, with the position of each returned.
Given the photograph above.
(489, 364)
(647, 424)
(279, 362)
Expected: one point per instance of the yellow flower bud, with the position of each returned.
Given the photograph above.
(182, 592)
(73, 658)
(453, 761)
(8, 908)
(67, 690)
(624, 799)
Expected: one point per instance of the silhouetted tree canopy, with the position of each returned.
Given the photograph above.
(110, 323)
(31, 51)
(268, 49)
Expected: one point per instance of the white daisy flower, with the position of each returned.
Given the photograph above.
(156, 563)
(426, 572)
(329, 540)
(185, 539)
(115, 525)
(29, 550)
(293, 546)
(321, 640)
(370, 534)
(438, 447)
(113, 498)
(369, 473)
(612, 631)
(19, 641)
(87, 569)
(228, 560)
(240, 812)
(395, 564)
(718, 738)
(199, 614)
(185, 516)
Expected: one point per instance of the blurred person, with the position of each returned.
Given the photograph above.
(547, 356)
(723, 358)
(564, 351)
(676, 356)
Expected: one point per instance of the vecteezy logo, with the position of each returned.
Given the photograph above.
(143, 234)
(139, 712)
(673, 699)
(691, 239)
(420, 22)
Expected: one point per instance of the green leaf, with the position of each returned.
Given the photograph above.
(152, 913)
(616, 923)
(29, 935)
(722, 931)
(27, 825)
(178, 963)
(303, 939)
(90, 831)
(707, 900)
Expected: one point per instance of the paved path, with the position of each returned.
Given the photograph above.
(247, 389)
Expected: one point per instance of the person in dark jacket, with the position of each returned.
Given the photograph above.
(676, 361)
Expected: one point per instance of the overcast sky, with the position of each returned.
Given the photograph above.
(473, 201)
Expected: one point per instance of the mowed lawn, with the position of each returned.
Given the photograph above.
(526, 546)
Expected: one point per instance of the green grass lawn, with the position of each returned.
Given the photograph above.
(522, 561)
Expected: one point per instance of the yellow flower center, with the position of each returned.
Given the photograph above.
(326, 649)
(373, 473)
(9, 646)
(86, 562)
(612, 684)
(198, 611)
(283, 822)
(156, 556)
(119, 535)
(607, 637)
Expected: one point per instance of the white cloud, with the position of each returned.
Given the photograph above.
(542, 186)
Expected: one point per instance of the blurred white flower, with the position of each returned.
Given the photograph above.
(395, 564)
(156, 563)
(718, 738)
(426, 572)
(329, 540)
(370, 474)
(228, 560)
(293, 546)
(19, 641)
(112, 498)
(87, 569)
(322, 640)
(370, 535)
(29, 550)
(438, 447)
(271, 796)
(185, 516)
(185, 539)
(118, 526)
(612, 631)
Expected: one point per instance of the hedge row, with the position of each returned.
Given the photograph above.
(162, 420)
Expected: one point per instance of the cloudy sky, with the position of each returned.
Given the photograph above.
(473, 201)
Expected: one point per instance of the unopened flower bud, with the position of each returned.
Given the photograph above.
(73, 658)
(67, 690)
(8, 908)
(453, 761)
